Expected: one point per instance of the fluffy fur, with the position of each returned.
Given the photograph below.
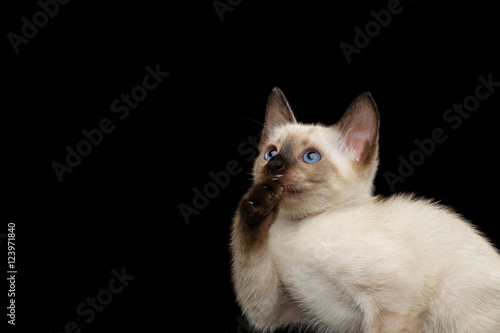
(312, 246)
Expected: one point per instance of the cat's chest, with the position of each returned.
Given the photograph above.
(310, 245)
(298, 252)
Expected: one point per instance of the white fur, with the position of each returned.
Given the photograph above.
(411, 256)
(338, 259)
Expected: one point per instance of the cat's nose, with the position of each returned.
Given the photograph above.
(276, 164)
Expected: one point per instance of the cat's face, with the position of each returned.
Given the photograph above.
(318, 166)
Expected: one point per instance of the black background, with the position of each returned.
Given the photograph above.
(120, 206)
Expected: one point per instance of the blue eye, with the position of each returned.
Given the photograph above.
(270, 153)
(311, 157)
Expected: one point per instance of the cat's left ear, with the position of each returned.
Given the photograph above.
(359, 126)
(278, 113)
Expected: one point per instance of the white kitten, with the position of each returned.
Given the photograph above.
(311, 246)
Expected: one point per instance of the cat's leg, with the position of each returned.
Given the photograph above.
(256, 212)
(257, 286)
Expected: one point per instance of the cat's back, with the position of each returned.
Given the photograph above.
(419, 251)
(460, 268)
(404, 226)
(430, 228)
(400, 226)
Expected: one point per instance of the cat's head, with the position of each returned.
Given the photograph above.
(319, 166)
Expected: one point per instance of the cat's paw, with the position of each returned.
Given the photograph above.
(260, 201)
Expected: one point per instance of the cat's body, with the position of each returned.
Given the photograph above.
(311, 246)
(388, 258)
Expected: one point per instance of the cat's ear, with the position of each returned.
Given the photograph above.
(359, 126)
(278, 113)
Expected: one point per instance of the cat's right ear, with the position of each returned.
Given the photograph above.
(359, 125)
(278, 113)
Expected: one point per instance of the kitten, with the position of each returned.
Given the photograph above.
(311, 245)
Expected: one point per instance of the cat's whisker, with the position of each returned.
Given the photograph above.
(255, 121)
(258, 122)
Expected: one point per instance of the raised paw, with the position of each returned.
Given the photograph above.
(260, 201)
